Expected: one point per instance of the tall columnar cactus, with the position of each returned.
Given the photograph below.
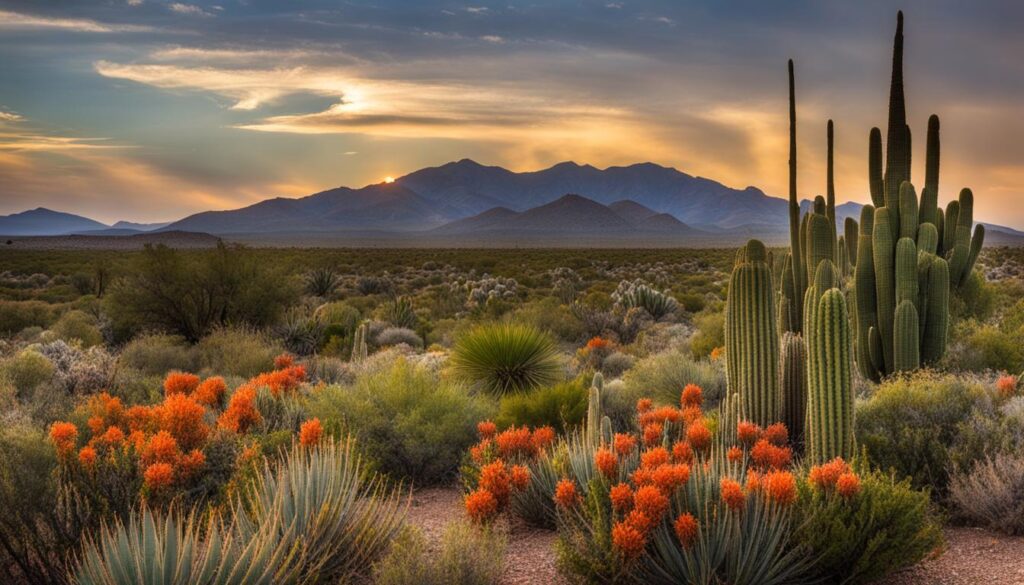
(796, 230)
(359, 345)
(851, 237)
(594, 412)
(751, 339)
(829, 431)
(864, 292)
(793, 382)
(789, 320)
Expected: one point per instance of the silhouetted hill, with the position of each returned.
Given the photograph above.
(45, 222)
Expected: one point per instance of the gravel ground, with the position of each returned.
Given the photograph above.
(973, 556)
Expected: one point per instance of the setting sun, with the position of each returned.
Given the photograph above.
(389, 179)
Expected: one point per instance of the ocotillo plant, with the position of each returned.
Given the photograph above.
(751, 339)
(829, 431)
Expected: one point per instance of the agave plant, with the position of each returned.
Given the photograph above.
(400, 313)
(639, 294)
(181, 550)
(507, 357)
(322, 281)
(300, 332)
(336, 520)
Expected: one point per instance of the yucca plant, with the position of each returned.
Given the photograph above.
(182, 550)
(507, 357)
(336, 519)
(400, 313)
(322, 281)
(639, 294)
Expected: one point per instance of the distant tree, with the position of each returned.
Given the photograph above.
(190, 293)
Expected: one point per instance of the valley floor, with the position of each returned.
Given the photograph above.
(973, 556)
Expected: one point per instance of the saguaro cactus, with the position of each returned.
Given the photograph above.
(829, 432)
(794, 384)
(751, 339)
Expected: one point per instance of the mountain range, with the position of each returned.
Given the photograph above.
(466, 200)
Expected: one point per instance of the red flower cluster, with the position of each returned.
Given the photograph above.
(565, 493)
(835, 475)
(497, 479)
(1007, 386)
(598, 343)
(310, 432)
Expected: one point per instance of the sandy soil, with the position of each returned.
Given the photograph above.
(973, 556)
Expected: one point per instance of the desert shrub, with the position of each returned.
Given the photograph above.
(26, 370)
(985, 347)
(339, 314)
(192, 293)
(467, 555)
(616, 364)
(400, 313)
(639, 294)
(236, 351)
(77, 325)
(322, 281)
(663, 376)
(157, 354)
(411, 424)
(547, 314)
(910, 424)
(506, 357)
(562, 406)
(710, 333)
(866, 529)
(396, 335)
(300, 332)
(17, 315)
(989, 493)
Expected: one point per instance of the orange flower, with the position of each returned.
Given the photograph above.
(283, 381)
(495, 479)
(241, 413)
(692, 413)
(87, 457)
(670, 477)
(515, 442)
(747, 432)
(180, 383)
(96, 425)
(112, 437)
(777, 434)
(479, 451)
(543, 437)
(692, 395)
(717, 353)
(664, 414)
(184, 418)
(734, 454)
(642, 522)
(606, 462)
(682, 452)
(686, 529)
(520, 477)
(598, 343)
(137, 439)
(765, 455)
(105, 410)
(565, 493)
(161, 448)
(481, 506)
(642, 476)
(643, 405)
(211, 392)
(310, 432)
(486, 429)
(698, 435)
(192, 463)
(652, 458)
(140, 418)
(624, 444)
(732, 494)
(652, 434)
(622, 497)
(1007, 386)
(284, 361)
(64, 436)
(753, 481)
(628, 541)
(651, 501)
(825, 476)
(848, 485)
(158, 476)
(780, 486)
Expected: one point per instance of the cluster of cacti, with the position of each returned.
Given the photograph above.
(829, 406)
(599, 427)
(793, 383)
(751, 338)
(359, 344)
(909, 252)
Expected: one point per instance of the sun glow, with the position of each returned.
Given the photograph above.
(389, 179)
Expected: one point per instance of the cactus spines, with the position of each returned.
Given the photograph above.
(928, 238)
(883, 252)
(821, 240)
(906, 271)
(751, 340)
(864, 294)
(908, 211)
(875, 180)
(930, 193)
(907, 347)
(850, 234)
(793, 354)
(788, 319)
(829, 431)
(936, 327)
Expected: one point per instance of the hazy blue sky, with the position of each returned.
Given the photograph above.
(150, 110)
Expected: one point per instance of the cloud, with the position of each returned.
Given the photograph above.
(17, 21)
(10, 117)
(188, 9)
(492, 39)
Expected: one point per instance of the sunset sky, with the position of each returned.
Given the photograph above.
(150, 110)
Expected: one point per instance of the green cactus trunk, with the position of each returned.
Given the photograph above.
(883, 251)
(829, 430)
(795, 235)
(794, 384)
(907, 356)
(751, 340)
(850, 236)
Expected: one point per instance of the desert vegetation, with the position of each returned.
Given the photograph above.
(824, 412)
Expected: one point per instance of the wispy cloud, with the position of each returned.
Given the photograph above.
(17, 21)
(188, 9)
(10, 117)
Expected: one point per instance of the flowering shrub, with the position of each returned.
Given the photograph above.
(1007, 386)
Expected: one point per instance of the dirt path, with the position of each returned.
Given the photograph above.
(973, 556)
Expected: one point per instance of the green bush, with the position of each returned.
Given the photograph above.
(910, 425)
(469, 555)
(548, 314)
(562, 406)
(17, 315)
(78, 325)
(410, 423)
(506, 357)
(158, 354)
(710, 333)
(663, 376)
(26, 370)
(985, 347)
(236, 351)
(886, 527)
